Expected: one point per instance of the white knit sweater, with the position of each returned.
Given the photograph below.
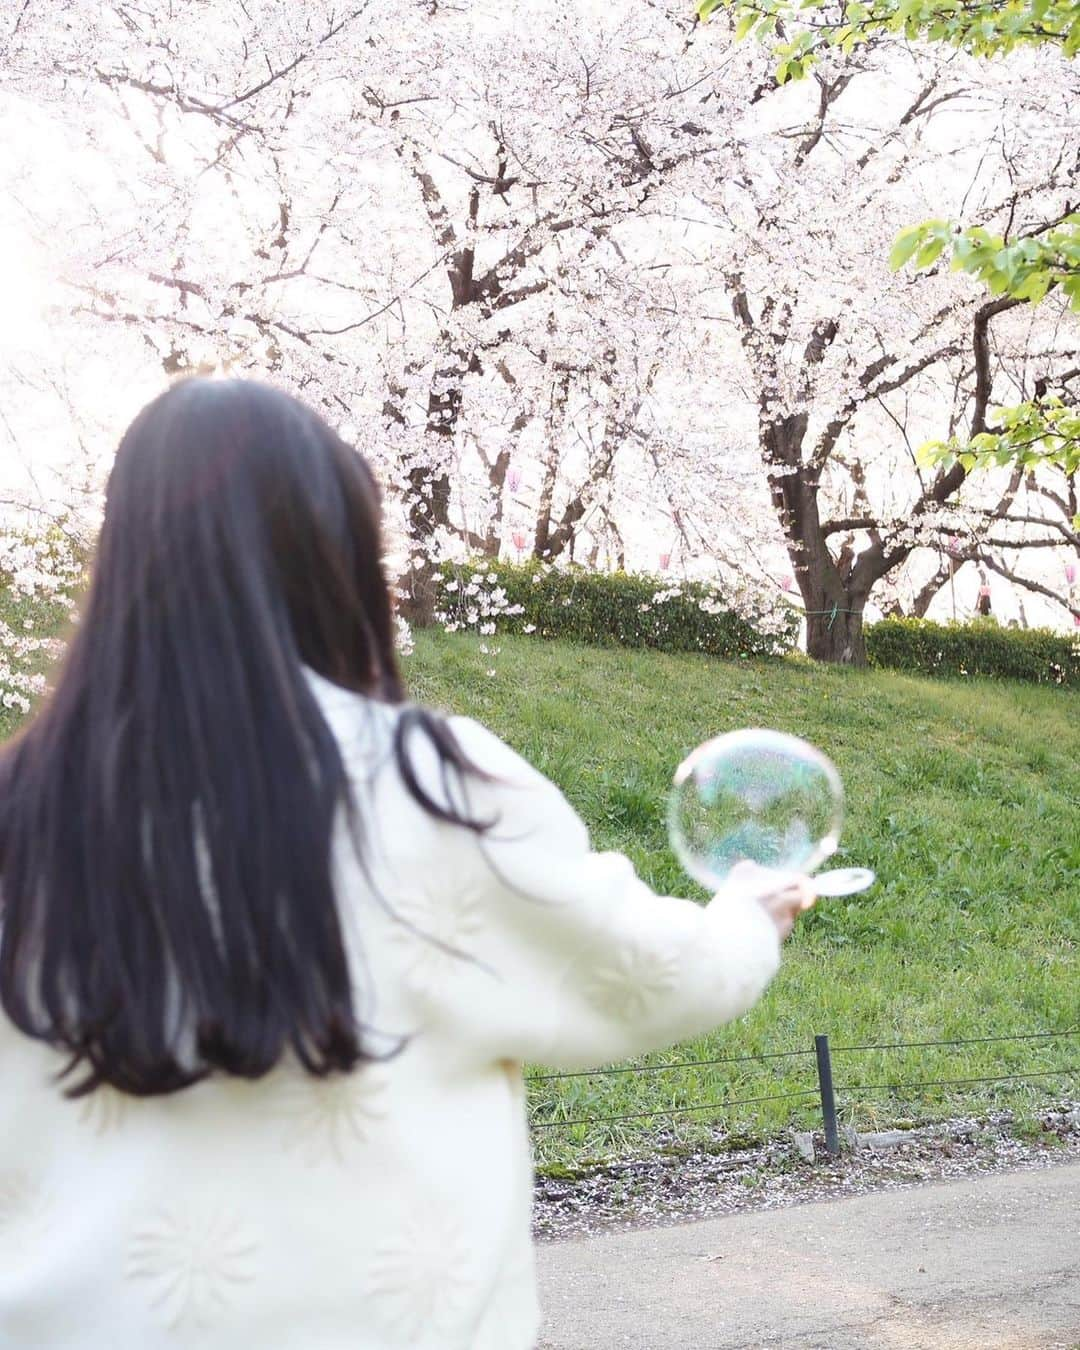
(389, 1208)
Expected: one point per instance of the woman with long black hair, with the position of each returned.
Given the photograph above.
(274, 943)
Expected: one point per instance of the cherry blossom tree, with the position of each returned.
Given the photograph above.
(1023, 258)
(832, 365)
(581, 282)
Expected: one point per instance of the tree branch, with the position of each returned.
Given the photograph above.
(1029, 584)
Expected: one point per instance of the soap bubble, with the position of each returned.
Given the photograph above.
(761, 796)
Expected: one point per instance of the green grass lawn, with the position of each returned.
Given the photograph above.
(963, 796)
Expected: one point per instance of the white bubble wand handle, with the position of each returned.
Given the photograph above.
(763, 881)
(843, 881)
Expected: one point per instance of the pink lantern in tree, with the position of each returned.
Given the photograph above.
(513, 480)
(518, 540)
(787, 582)
(665, 561)
(1070, 573)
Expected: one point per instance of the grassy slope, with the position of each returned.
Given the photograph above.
(965, 797)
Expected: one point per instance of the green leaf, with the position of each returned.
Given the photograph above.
(907, 241)
(1034, 288)
(744, 25)
(931, 453)
(930, 252)
(997, 281)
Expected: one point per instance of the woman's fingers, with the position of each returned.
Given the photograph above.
(784, 906)
(783, 895)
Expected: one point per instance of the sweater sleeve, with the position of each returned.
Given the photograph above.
(579, 962)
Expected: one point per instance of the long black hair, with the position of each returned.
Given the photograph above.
(166, 905)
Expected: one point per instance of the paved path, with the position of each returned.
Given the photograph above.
(986, 1264)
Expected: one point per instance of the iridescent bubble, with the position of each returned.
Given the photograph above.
(760, 796)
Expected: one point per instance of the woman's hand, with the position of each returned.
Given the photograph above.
(783, 895)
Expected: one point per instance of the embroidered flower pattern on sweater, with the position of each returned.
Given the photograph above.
(626, 979)
(420, 1282)
(433, 933)
(325, 1118)
(192, 1265)
(24, 1204)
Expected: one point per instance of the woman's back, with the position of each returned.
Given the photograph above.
(374, 1209)
(274, 945)
(389, 1207)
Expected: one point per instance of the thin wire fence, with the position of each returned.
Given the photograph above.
(674, 1110)
(824, 1089)
(670, 1065)
(961, 1040)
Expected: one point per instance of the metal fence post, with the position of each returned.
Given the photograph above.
(828, 1100)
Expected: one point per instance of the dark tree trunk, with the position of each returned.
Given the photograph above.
(420, 595)
(834, 607)
(926, 596)
(834, 610)
(542, 532)
(429, 509)
(836, 633)
(497, 479)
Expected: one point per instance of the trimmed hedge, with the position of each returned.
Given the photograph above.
(981, 647)
(612, 609)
